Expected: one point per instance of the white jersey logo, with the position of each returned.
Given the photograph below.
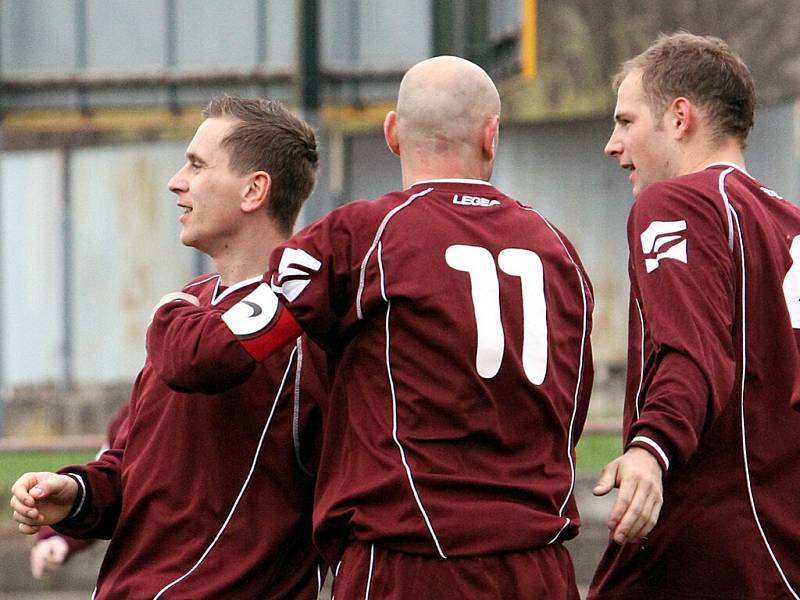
(660, 234)
(294, 273)
(473, 201)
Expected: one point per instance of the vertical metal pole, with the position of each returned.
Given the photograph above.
(82, 53)
(443, 21)
(171, 51)
(477, 35)
(261, 41)
(67, 378)
(308, 58)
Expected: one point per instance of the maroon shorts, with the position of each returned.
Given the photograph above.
(367, 572)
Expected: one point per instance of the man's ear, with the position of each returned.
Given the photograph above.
(682, 117)
(390, 132)
(491, 131)
(256, 194)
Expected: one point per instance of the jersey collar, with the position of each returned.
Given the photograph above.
(723, 163)
(452, 180)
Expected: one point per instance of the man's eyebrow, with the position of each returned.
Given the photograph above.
(192, 157)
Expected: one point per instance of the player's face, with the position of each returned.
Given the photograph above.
(639, 141)
(209, 192)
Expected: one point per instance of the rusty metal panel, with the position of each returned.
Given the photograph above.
(31, 284)
(126, 253)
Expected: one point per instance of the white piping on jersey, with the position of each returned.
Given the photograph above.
(741, 399)
(319, 580)
(654, 446)
(206, 280)
(335, 575)
(244, 485)
(724, 163)
(727, 203)
(406, 466)
(369, 575)
(216, 299)
(579, 380)
(231, 289)
(452, 180)
(641, 359)
(296, 412)
(377, 239)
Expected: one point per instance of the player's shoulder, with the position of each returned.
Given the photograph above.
(693, 193)
(201, 281)
(367, 213)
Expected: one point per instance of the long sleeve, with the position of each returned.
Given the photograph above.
(682, 277)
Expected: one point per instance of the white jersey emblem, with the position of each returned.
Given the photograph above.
(661, 234)
(294, 273)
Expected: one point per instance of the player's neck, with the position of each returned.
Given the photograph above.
(247, 257)
(727, 151)
(422, 166)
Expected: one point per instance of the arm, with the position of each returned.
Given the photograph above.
(682, 277)
(203, 349)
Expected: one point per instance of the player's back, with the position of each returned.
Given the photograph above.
(464, 384)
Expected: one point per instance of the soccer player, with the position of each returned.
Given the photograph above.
(459, 321)
(209, 492)
(713, 346)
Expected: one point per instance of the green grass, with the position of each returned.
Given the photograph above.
(595, 450)
(14, 464)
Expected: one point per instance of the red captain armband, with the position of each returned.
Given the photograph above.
(261, 323)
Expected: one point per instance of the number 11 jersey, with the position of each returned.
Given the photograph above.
(458, 321)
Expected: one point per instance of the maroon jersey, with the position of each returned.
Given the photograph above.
(459, 321)
(209, 495)
(713, 368)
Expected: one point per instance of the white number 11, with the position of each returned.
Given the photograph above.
(526, 265)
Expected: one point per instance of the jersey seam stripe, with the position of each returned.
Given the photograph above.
(579, 380)
(378, 234)
(206, 280)
(654, 445)
(406, 466)
(721, 185)
(744, 431)
(641, 360)
(244, 485)
(369, 574)
(296, 409)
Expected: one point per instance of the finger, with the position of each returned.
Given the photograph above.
(644, 522)
(627, 489)
(607, 480)
(23, 509)
(51, 485)
(21, 488)
(28, 529)
(653, 513)
(630, 519)
(29, 518)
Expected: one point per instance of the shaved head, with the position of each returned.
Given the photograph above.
(446, 101)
